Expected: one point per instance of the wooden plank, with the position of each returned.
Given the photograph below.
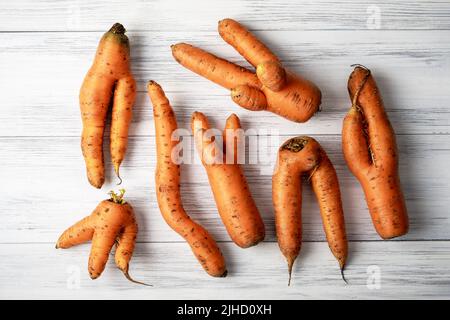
(403, 270)
(77, 15)
(46, 189)
(412, 69)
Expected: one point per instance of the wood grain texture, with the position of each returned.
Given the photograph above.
(406, 270)
(412, 70)
(164, 15)
(46, 48)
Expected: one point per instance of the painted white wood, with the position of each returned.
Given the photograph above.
(42, 73)
(76, 15)
(47, 187)
(405, 270)
(46, 48)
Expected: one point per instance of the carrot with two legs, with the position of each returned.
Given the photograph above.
(297, 157)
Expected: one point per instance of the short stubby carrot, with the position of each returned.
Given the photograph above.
(232, 195)
(108, 81)
(112, 222)
(167, 177)
(370, 150)
(297, 157)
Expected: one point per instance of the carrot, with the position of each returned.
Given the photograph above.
(112, 222)
(167, 178)
(272, 75)
(218, 70)
(232, 195)
(108, 81)
(303, 156)
(370, 150)
(269, 69)
(249, 97)
(286, 94)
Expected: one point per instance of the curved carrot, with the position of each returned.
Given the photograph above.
(303, 156)
(167, 179)
(108, 79)
(370, 150)
(112, 222)
(232, 195)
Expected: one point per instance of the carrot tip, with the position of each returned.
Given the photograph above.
(129, 278)
(290, 264)
(93, 276)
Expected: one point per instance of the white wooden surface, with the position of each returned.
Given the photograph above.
(45, 50)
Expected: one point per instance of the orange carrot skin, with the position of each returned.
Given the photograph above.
(272, 74)
(122, 113)
(325, 184)
(304, 156)
(111, 65)
(167, 177)
(269, 69)
(232, 195)
(249, 97)
(298, 101)
(370, 151)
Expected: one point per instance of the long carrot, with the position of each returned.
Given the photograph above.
(232, 195)
(108, 81)
(297, 157)
(370, 150)
(167, 177)
(272, 88)
(112, 222)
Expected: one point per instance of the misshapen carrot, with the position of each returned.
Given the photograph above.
(232, 195)
(286, 94)
(297, 157)
(108, 81)
(268, 67)
(112, 222)
(167, 177)
(218, 70)
(370, 150)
